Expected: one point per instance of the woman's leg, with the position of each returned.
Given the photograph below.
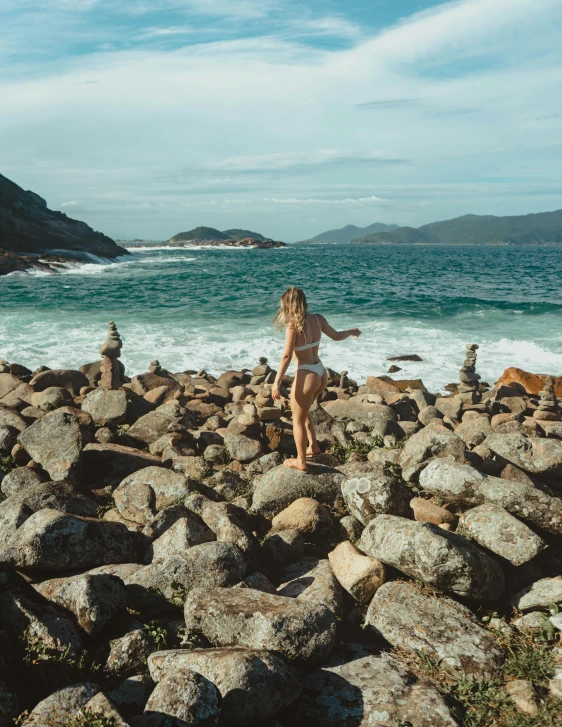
(303, 392)
(313, 447)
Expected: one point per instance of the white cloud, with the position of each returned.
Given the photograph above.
(312, 201)
(295, 160)
(72, 203)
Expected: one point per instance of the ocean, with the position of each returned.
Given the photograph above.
(212, 308)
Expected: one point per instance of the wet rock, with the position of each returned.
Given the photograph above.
(368, 490)
(539, 595)
(369, 691)
(279, 487)
(94, 599)
(182, 699)
(254, 684)
(56, 442)
(109, 464)
(359, 574)
(427, 444)
(106, 407)
(410, 620)
(308, 516)
(256, 620)
(51, 540)
(495, 529)
(531, 454)
(428, 553)
(142, 494)
(61, 706)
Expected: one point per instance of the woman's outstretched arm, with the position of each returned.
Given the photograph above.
(290, 340)
(337, 335)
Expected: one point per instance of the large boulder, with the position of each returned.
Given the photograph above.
(68, 379)
(370, 490)
(95, 600)
(279, 487)
(426, 444)
(369, 691)
(495, 529)
(474, 431)
(109, 464)
(183, 534)
(56, 442)
(532, 383)
(62, 706)
(245, 617)
(183, 698)
(21, 479)
(531, 454)
(142, 494)
(452, 481)
(106, 407)
(406, 618)
(150, 427)
(254, 684)
(361, 410)
(242, 447)
(52, 540)
(309, 517)
(8, 382)
(435, 556)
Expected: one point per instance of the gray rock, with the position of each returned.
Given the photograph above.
(368, 490)
(474, 431)
(182, 699)
(312, 581)
(56, 442)
(435, 556)
(207, 565)
(129, 653)
(151, 426)
(525, 502)
(531, 454)
(279, 487)
(62, 496)
(255, 620)
(109, 464)
(406, 618)
(106, 407)
(8, 439)
(456, 483)
(254, 684)
(533, 622)
(428, 413)
(370, 691)
(102, 707)
(52, 398)
(361, 410)
(61, 706)
(495, 529)
(8, 382)
(20, 479)
(142, 494)
(10, 418)
(94, 599)
(243, 448)
(350, 528)
(539, 595)
(186, 532)
(282, 548)
(426, 444)
(63, 378)
(52, 540)
(131, 694)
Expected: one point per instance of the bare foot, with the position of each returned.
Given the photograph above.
(295, 464)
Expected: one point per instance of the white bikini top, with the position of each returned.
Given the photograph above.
(314, 343)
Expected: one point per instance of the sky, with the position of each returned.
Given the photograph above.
(145, 118)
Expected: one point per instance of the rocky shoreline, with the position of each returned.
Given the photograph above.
(160, 566)
(246, 242)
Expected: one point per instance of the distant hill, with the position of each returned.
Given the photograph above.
(244, 235)
(543, 228)
(200, 233)
(350, 232)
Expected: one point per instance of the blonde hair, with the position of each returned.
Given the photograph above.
(293, 310)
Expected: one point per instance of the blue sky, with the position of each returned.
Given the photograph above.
(145, 118)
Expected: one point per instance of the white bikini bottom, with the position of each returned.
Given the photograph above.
(317, 368)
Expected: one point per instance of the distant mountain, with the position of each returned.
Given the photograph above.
(543, 228)
(28, 228)
(350, 232)
(200, 233)
(244, 235)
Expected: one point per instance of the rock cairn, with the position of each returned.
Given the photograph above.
(548, 408)
(468, 387)
(110, 351)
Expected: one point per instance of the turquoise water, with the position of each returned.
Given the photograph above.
(211, 308)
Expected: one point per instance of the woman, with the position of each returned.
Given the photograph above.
(303, 331)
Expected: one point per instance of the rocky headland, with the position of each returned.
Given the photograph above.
(210, 237)
(160, 566)
(34, 237)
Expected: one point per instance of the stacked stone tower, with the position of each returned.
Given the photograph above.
(110, 351)
(469, 387)
(548, 409)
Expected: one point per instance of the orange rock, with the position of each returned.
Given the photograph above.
(533, 383)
